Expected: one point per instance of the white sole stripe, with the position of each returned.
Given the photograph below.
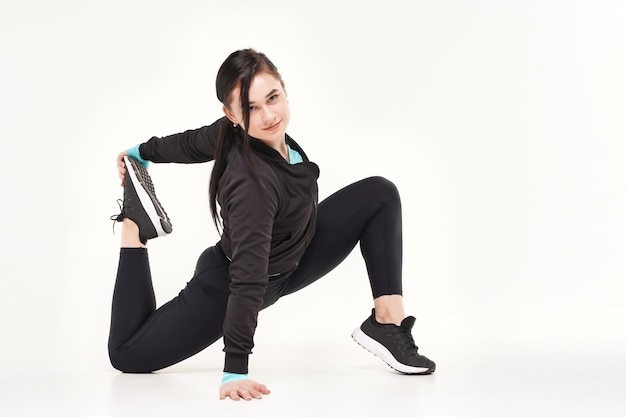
(144, 199)
(381, 351)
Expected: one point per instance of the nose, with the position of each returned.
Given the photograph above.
(268, 116)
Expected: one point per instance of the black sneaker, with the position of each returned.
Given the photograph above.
(140, 203)
(394, 345)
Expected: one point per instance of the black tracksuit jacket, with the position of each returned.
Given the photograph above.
(268, 215)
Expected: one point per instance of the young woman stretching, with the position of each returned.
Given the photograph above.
(275, 238)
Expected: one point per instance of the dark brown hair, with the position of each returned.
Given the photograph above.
(237, 70)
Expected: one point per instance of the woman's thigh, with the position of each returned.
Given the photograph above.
(183, 326)
(343, 220)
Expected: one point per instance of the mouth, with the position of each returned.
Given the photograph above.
(273, 127)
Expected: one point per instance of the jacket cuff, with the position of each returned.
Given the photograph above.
(236, 363)
(136, 153)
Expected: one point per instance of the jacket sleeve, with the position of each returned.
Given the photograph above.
(191, 146)
(251, 208)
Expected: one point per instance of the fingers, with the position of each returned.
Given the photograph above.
(121, 166)
(244, 393)
(246, 390)
(261, 388)
(238, 393)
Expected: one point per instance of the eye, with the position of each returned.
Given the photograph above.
(273, 98)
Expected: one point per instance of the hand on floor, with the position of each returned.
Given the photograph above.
(245, 388)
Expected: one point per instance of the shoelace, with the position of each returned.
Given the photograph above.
(118, 217)
(403, 340)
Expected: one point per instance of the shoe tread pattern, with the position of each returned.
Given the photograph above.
(146, 182)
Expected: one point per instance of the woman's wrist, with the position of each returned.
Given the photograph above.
(134, 152)
(230, 376)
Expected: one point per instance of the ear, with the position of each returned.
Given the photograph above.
(230, 116)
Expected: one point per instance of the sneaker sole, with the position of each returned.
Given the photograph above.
(381, 351)
(161, 226)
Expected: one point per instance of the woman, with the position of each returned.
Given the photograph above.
(275, 238)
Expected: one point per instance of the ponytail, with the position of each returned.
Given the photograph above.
(237, 71)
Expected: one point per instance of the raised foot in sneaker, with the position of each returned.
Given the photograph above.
(394, 345)
(140, 203)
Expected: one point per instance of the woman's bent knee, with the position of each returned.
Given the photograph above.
(382, 188)
(123, 364)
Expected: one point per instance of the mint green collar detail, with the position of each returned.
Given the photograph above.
(294, 156)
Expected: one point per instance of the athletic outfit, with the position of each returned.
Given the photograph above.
(276, 240)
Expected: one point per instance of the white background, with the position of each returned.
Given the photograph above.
(500, 121)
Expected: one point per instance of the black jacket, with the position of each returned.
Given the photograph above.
(268, 215)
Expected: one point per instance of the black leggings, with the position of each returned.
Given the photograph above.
(144, 339)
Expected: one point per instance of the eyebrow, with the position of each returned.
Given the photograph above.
(271, 93)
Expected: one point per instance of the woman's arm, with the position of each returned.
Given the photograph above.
(248, 210)
(191, 146)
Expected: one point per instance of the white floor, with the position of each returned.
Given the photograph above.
(482, 371)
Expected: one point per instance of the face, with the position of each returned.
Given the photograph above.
(269, 110)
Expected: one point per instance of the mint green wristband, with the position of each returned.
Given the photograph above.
(134, 152)
(229, 376)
